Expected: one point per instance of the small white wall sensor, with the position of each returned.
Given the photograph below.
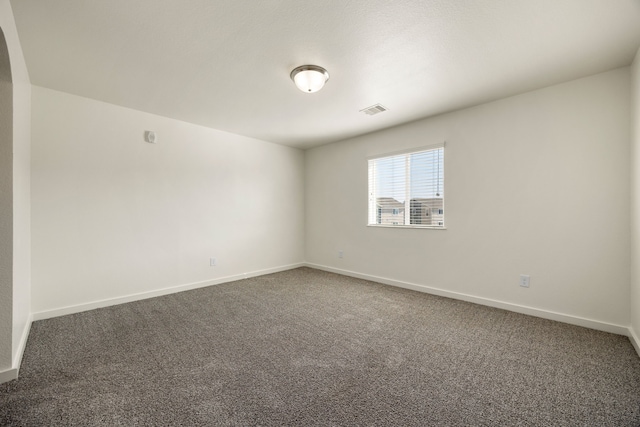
(150, 136)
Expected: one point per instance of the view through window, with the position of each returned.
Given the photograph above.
(408, 189)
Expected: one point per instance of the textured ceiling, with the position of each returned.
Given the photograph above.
(225, 64)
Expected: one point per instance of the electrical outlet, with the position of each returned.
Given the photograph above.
(212, 262)
(340, 254)
(525, 280)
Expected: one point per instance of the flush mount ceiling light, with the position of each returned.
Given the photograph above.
(309, 78)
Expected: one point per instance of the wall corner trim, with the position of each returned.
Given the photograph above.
(8, 375)
(17, 361)
(635, 341)
(531, 311)
(12, 374)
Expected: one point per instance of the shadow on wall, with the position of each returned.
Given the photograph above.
(6, 205)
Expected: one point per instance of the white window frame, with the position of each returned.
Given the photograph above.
(372, 203)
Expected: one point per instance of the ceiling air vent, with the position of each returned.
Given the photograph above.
(374, 109)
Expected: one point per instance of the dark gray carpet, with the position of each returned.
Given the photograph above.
(304, 348)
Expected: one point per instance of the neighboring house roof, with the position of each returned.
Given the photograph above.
(431, 202)
(389, 203)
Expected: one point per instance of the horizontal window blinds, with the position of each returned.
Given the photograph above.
(407, 189)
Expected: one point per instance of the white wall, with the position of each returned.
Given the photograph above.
(113, 215)
(635, 202)
(535, 184)
(21, 293)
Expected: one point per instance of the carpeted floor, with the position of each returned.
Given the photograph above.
(306, 347)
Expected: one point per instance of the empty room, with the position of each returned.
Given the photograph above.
(320, 213)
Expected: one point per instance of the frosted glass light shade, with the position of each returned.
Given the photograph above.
(309, 78)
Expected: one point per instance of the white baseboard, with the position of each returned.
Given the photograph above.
(634, 340)
(62, 311)
(12, 374)
(8, 375)
(17, 359)
(537, 312)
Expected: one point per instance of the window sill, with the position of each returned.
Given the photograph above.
(419, 227)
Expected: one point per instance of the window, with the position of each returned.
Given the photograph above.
(407, 189)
